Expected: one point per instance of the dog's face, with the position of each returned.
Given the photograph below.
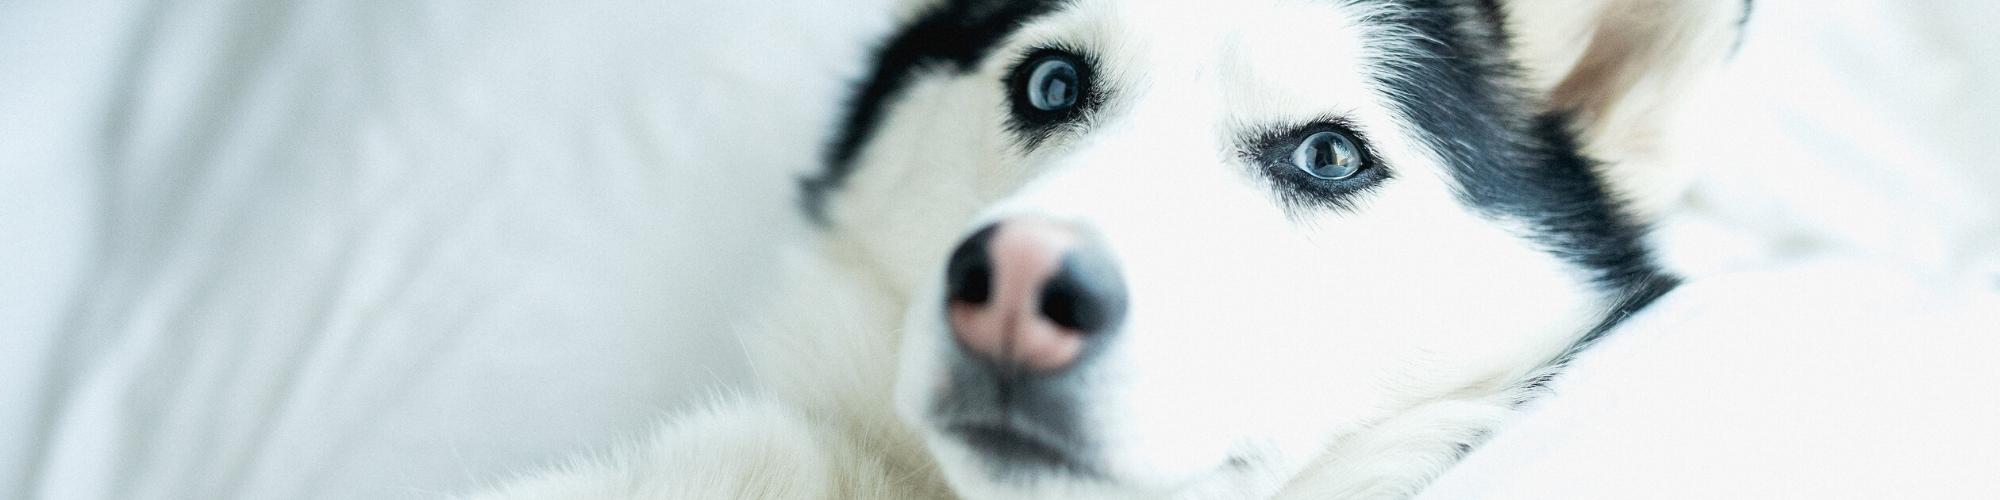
(1160, 249)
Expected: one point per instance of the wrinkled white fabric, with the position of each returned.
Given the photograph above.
(320, 249)
(379, 249)
(1860, 127)
(1828, 379)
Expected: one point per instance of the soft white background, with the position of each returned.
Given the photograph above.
(367, 249)
(315, 249)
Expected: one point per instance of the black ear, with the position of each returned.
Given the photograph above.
(1621, 69)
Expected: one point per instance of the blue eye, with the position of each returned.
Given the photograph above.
(1328, 155)
(1048, 89)
(1052, 86)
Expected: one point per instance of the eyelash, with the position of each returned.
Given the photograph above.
(1035, 125)
(1271, 153)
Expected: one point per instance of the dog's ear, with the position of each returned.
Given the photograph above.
(1621, 70)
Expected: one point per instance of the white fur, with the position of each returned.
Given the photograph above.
(1194, 388)
(750, 448)
(1326, 353)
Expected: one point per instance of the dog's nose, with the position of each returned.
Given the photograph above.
(1031, 293)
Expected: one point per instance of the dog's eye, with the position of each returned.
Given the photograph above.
(1049, 89)
(1053, 85)
(1328, 155)
(1321, 164)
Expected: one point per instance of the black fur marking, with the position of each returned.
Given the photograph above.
(1457, 87)
(955, 36)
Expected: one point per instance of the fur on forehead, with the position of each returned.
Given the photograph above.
(1282, 62)
(1437, 71)
(960, 36)
(1241, 68)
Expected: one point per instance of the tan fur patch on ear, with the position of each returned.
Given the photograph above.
(1549, 36)
(1646, 52)
(1622, 69)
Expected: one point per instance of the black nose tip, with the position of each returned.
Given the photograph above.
(1086, 294)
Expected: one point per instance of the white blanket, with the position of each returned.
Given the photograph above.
(317, 249)
(1828, 379)
(326, 249)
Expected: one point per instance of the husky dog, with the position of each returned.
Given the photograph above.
(1205, 249)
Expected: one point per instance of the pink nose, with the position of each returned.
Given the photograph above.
(1031, 293)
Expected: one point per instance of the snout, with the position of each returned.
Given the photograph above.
(1032, 294)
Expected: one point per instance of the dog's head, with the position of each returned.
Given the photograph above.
(1168, 248)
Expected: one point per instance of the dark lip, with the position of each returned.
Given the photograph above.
(1007, 447)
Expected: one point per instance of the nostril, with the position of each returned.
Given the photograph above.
(1086, 294)
(969, 274)
(1031, 293)
(1064, 303)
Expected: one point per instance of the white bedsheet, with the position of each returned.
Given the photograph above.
(269, 249)
(1834, 378)
(317, 249)
(1840, 337)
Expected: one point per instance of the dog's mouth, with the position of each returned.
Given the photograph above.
(1011, 451)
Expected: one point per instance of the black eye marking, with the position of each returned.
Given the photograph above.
(1325, 164)
(1048, 89)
